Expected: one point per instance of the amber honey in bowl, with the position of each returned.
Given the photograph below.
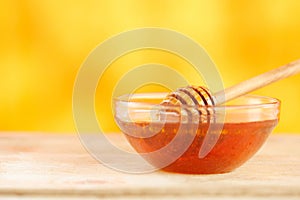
(244, 130)
(235, 145)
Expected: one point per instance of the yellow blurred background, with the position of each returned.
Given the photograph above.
(43, 43)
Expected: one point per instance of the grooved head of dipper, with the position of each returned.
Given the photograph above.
(191, 96)
(199, 103)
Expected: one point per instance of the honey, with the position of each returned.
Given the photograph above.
(236, 143)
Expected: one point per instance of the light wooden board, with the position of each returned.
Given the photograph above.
(49, 165)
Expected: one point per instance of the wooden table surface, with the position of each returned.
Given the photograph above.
(37, 165)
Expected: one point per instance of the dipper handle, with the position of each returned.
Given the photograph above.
(257, 82)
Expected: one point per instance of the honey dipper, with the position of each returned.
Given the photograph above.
(198, 95)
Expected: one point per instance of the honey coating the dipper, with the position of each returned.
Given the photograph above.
(198, 100)
(191, 96)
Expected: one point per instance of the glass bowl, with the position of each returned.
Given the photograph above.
(196, 139)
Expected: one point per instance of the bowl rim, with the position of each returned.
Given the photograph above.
(269, 101)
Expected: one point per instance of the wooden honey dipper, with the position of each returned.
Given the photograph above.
(201, 96)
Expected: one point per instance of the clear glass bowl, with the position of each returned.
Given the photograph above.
(196, 140)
